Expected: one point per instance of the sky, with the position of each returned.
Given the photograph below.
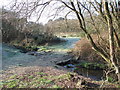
(33, 18)
(45, 16)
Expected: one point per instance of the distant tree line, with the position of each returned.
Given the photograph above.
(19, 30)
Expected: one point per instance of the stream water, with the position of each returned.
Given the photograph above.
(13, 57)
(70, 42)
(93, 74)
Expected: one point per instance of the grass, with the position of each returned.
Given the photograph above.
(110, 79)
(43, 48)
(30, 77)
(52, 48)
(38, 79)
(40, 73)
(55, 86)
(13, 76)
(42, 80)
(64, 76)
(118, 86)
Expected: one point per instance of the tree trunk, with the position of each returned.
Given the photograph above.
(111, 39)
(117, 38)
(89, 37)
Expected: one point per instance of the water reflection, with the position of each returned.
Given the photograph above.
(93, 74)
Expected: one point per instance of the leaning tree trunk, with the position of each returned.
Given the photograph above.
(111, 39)
(89, 37)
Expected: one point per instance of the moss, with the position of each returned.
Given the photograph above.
(48, 81)
(36, 81)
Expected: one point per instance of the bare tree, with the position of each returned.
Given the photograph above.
(111, 39)
(78, 8)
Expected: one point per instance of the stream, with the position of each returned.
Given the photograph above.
(12, 57)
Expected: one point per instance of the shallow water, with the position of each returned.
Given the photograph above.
(13, 57)
(70, 42)
(93, 74)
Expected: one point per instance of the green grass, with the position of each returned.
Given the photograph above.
(110, 79)
(30, 77)
(40, 73)
(11, 83)
(35, 80)
(13, 76)
(38, 80)
(118, 86)
(55, 86)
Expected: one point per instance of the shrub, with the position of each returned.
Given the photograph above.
(83, 51)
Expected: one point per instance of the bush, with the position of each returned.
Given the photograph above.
(83, 51)
(19, 31)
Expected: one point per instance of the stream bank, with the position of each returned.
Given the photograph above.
(49, 77)
(14, 62)
(12, 57)
(51, 55)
